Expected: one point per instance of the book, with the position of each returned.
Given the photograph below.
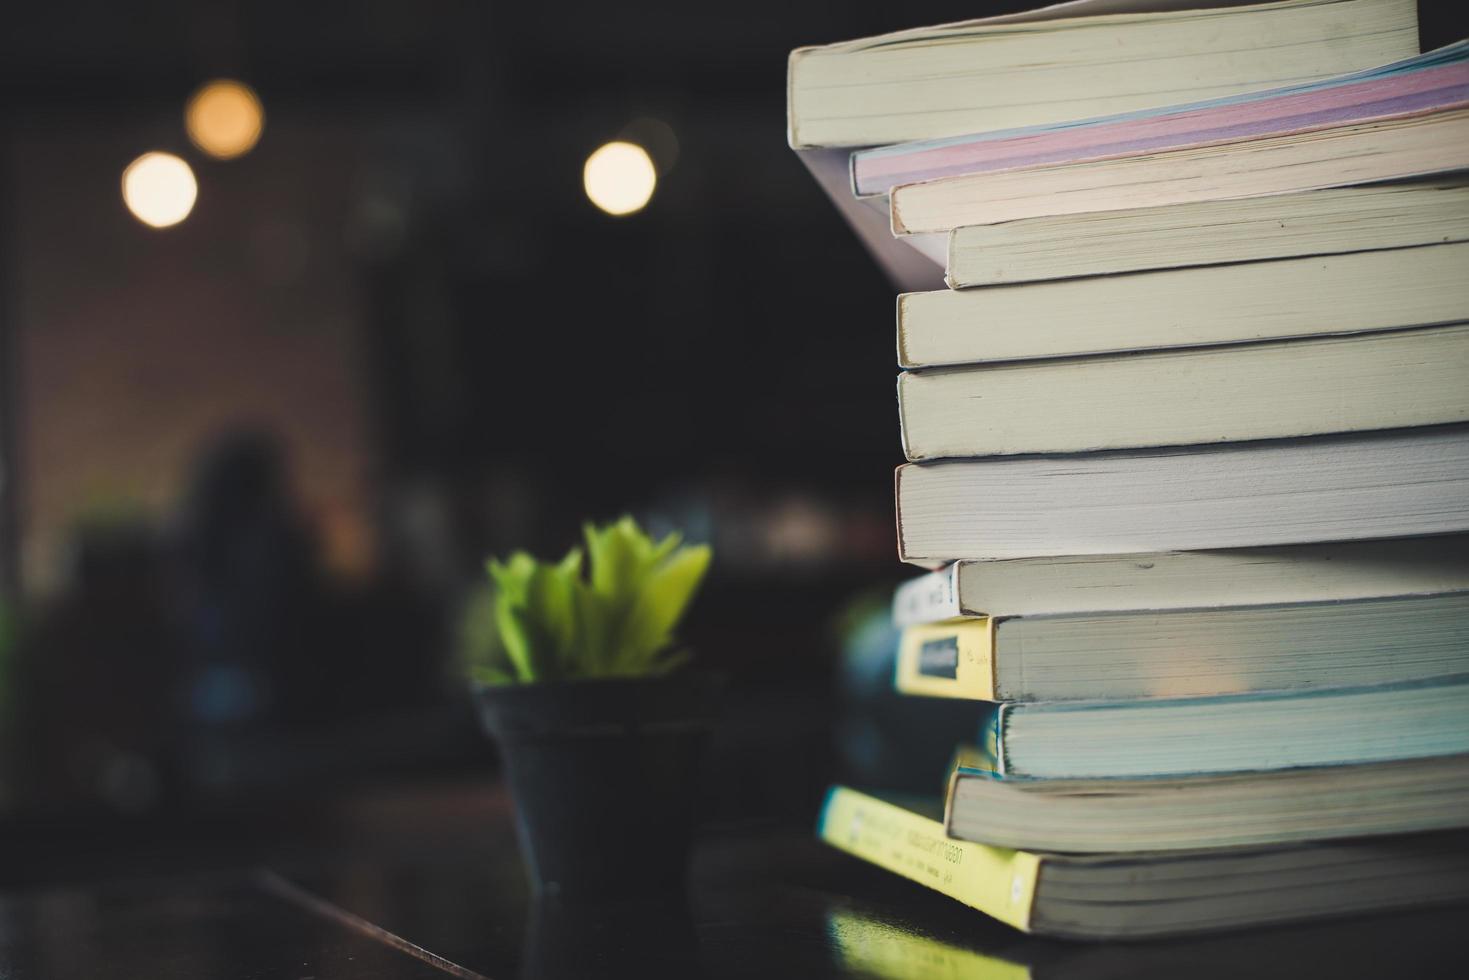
(1075, 60)
(1087, 816)
(1356, 292)
(1231, 733)
(1147, 895)
(1189, 396)
(1330, 221)
(1231, 495)
(871, 941)
(1412, 145)
(1415, 84)
(1185, 579)
(1187, 652)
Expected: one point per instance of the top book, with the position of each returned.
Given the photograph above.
(1079, 60)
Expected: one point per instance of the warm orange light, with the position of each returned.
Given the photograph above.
(224, 118)
(619, 177)
(159, 189)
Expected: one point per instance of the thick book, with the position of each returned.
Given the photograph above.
(1232, 495)
(1185, 579)
(1187, 652)
(1233, 733)
(1331, 221)
(1416, 84)
(1356, 292)
(1148, 895)
(1413, 145)
(1076, 60)
(1190, 396)
(1089, 816)
(870, 939)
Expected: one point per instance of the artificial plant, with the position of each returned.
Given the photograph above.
(610, 611)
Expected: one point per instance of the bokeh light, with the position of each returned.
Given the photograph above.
(619, 177)
(224, 118)
(159, 189)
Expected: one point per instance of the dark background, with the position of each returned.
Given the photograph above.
(253, 463)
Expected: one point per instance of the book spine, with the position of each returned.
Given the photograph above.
(954, 659)
(997, 881)
(931, 598)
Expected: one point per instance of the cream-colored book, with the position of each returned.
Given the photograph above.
(1193, 396)
(1385, 289)
(1226, 495)
(1329, 221)
(1328, 572)
(1081, 59)
(1144, 653)
(1386, 149)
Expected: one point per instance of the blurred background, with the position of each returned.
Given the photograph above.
(305, 309)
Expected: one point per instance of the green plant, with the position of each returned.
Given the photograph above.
(616, 620)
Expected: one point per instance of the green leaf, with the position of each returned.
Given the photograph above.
(608, 611)
(516, 637)
(659, 605)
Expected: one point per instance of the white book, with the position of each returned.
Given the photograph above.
(1317, 222)
(1340, 488)
(1185, 579)
(1356, 292)
(1190, 396)
(1076, 60)
(1236, 810)
(1393, 148)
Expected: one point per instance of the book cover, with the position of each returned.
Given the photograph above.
(998, 882)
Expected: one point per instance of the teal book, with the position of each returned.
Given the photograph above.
(1237, 733)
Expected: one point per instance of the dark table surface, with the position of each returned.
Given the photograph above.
(425, 882)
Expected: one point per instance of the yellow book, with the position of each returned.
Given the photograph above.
(952, 659)
(1135, 895)
(997, 881)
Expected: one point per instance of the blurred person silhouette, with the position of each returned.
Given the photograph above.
(250, 589)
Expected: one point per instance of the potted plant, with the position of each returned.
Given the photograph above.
(600, 732)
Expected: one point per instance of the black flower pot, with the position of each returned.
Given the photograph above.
(605, 778)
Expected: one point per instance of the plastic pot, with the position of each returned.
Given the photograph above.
(605, 778)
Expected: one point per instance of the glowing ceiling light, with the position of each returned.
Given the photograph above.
(619, 177)
(159, 189)
(224, 118)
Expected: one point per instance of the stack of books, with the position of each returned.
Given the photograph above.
(1187, 419)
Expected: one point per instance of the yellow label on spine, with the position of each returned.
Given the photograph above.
(954, 659)
(997, 881)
